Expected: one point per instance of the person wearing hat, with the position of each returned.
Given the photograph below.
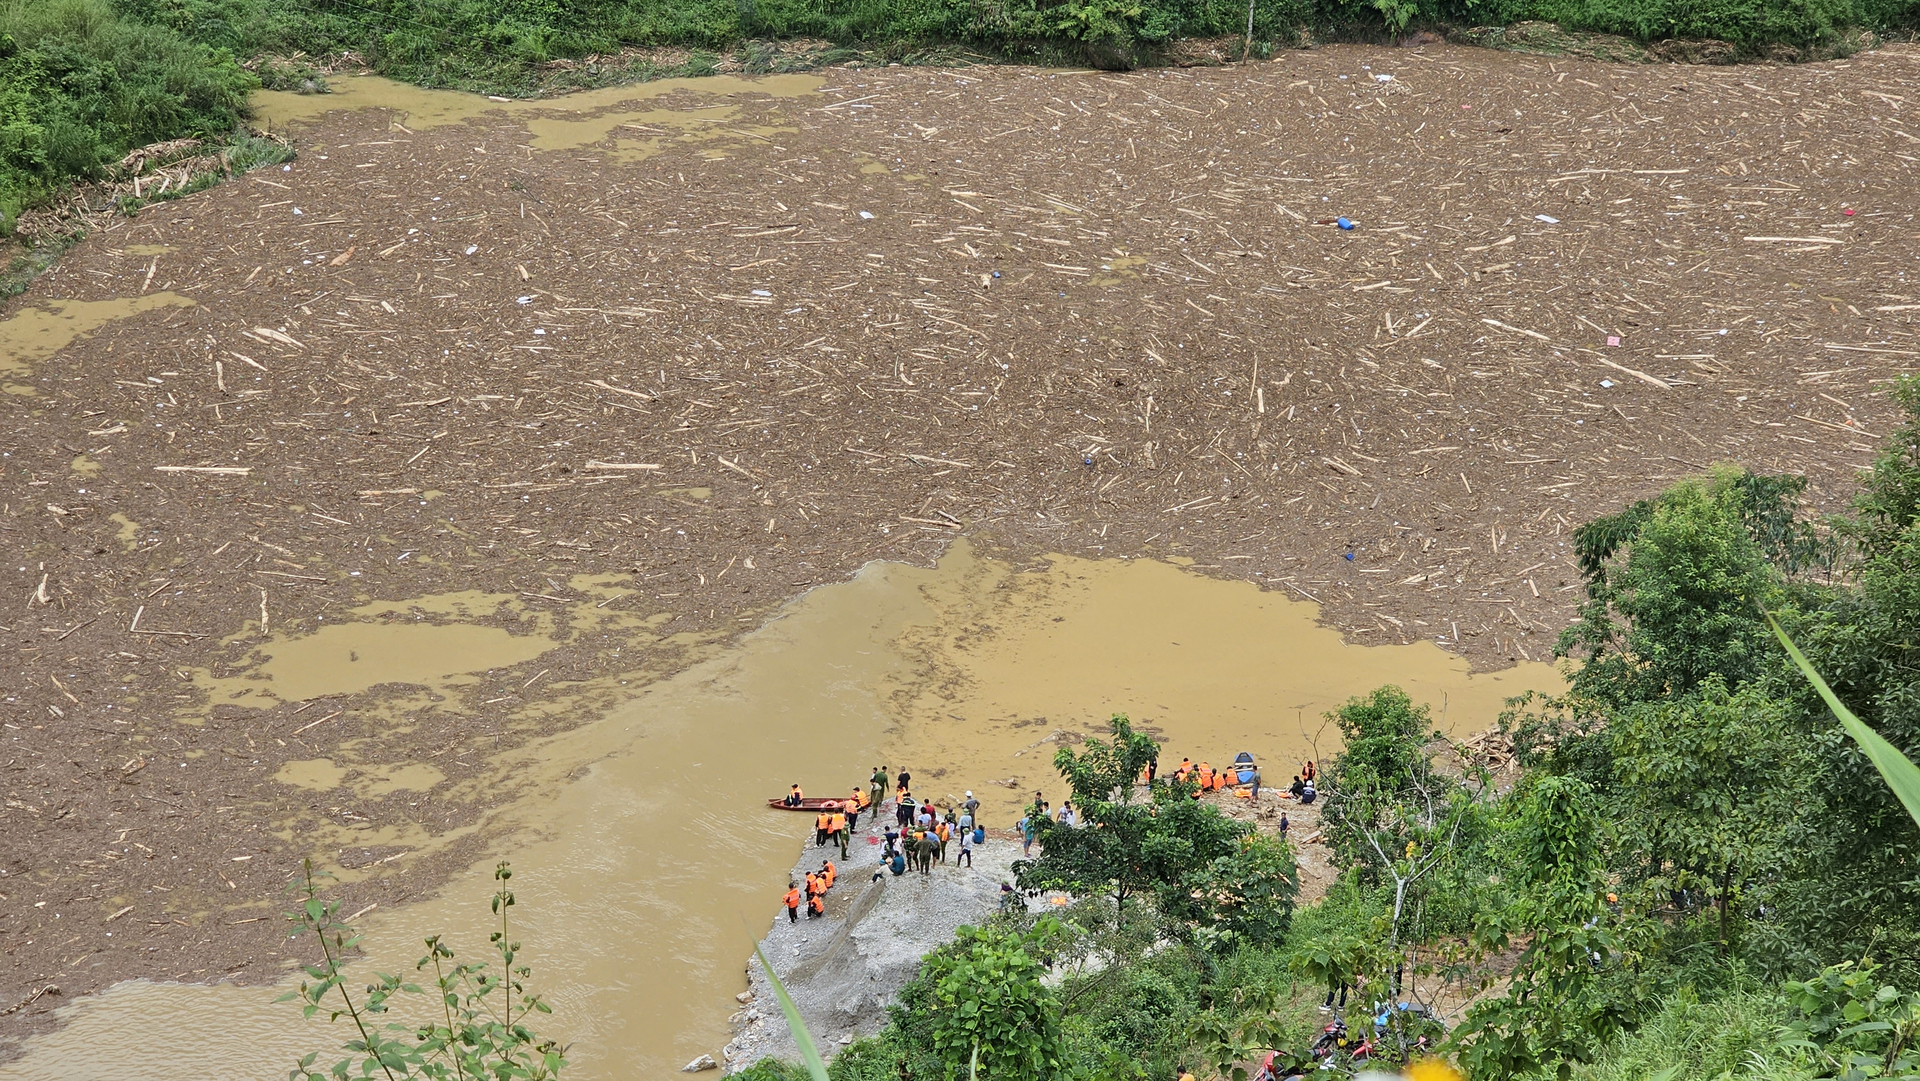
(971, 805)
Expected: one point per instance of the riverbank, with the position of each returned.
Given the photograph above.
(845, 968)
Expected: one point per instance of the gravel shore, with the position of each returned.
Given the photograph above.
(845, 968)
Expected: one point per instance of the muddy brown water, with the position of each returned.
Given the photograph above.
(39, 331)
(635, 120)
(644, 876)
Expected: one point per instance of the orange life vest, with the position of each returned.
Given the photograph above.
(818, 904)
(793, 897)
(823, 822)
(839, 823)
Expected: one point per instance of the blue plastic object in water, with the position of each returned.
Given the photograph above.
(1344, 223)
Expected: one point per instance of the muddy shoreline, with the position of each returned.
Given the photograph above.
(632, 396)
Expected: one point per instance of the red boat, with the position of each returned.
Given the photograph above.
(810, 803)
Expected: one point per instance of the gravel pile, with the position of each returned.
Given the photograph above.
(843, 969)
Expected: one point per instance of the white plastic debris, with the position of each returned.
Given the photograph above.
(865, 214)
(1548, 218)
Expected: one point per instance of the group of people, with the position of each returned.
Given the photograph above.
(837, 818)
(922, 833)
(1302, 787)
(818, 883)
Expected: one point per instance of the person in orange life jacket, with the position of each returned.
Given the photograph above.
(1206, 777)
(793, 902)
(1184, 770)
(1307, 772)
(828, 872)
(794, 797)
(853, 811)
(821, 824)
(817, 905)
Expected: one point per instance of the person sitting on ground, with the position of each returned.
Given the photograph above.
(817, 906)
(1307, 793)
(1297, 788)
(828, 872)
(795, 797)
(1009, 900)
(898, 865)
(1206, 777)
(1185, 768)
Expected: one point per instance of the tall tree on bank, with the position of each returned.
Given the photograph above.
(1124, 846)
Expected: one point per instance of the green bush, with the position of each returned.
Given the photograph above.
(1738, 1035)
(81, 84)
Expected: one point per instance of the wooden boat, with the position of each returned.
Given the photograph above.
(809, 803)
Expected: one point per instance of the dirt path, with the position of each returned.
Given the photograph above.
(1084, 312)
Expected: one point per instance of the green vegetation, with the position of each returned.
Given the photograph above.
(1704, 871)
(472, 1023)
(83, 82)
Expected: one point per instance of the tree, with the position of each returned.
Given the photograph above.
(1245, 897)
(1708, 787)
(1684, 601)
(1123, 846)
(1861, 884)
(1554, 1014)
(988, 1000)
(1388, 813)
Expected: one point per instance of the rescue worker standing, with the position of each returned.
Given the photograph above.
(793, 902)
(837, 826)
